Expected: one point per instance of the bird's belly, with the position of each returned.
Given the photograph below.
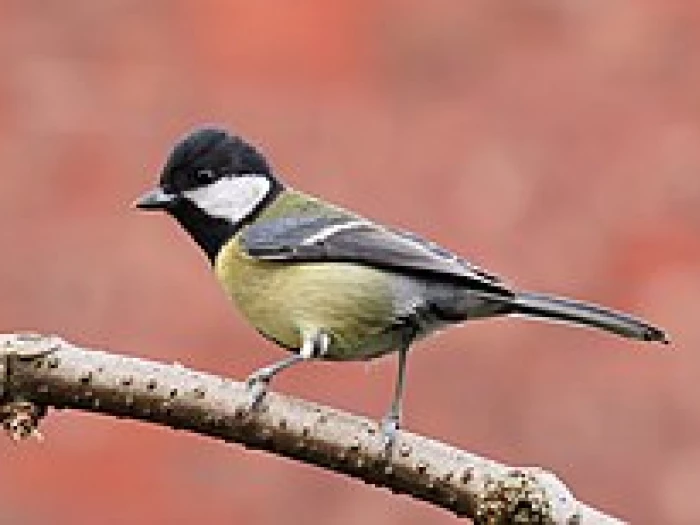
(353, 304)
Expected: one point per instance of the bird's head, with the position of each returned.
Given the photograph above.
(212, 182)
(215, 171)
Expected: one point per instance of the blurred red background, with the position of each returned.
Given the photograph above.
(557, 143)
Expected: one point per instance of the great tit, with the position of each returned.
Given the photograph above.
(324, 282)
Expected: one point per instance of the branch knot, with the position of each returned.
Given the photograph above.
(20, 418)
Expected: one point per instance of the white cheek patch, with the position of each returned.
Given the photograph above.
(230, 198)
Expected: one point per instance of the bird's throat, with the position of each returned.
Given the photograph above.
(210, 233)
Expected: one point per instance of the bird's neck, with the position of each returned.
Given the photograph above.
(212, 233)
(293, 203)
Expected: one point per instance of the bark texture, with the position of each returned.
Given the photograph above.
(37, 372)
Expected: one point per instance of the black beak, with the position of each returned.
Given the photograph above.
(156, 199)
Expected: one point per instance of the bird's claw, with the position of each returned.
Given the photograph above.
(390, 427)
(256, 385)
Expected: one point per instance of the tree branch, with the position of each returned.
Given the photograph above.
(38, 372)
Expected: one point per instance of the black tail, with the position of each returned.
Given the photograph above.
(552, 308)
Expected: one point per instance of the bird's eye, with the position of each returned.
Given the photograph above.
(204, 176)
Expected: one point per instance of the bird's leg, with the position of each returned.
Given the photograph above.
(258, 381)
(390, 424)
(315, 345)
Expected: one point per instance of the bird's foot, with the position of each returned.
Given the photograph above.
(256, 385)
(390, 427)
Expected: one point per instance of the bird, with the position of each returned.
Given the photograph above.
(326, 283)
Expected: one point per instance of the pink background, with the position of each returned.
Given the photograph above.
(556, 143)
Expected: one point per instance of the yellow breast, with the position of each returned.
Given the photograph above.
(350, 302)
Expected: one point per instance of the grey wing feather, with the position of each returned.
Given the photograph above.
(339, 239)
(442, 252)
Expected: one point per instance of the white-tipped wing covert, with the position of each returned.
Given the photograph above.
(341, 239)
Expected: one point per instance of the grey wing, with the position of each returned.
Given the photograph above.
(342, 239)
